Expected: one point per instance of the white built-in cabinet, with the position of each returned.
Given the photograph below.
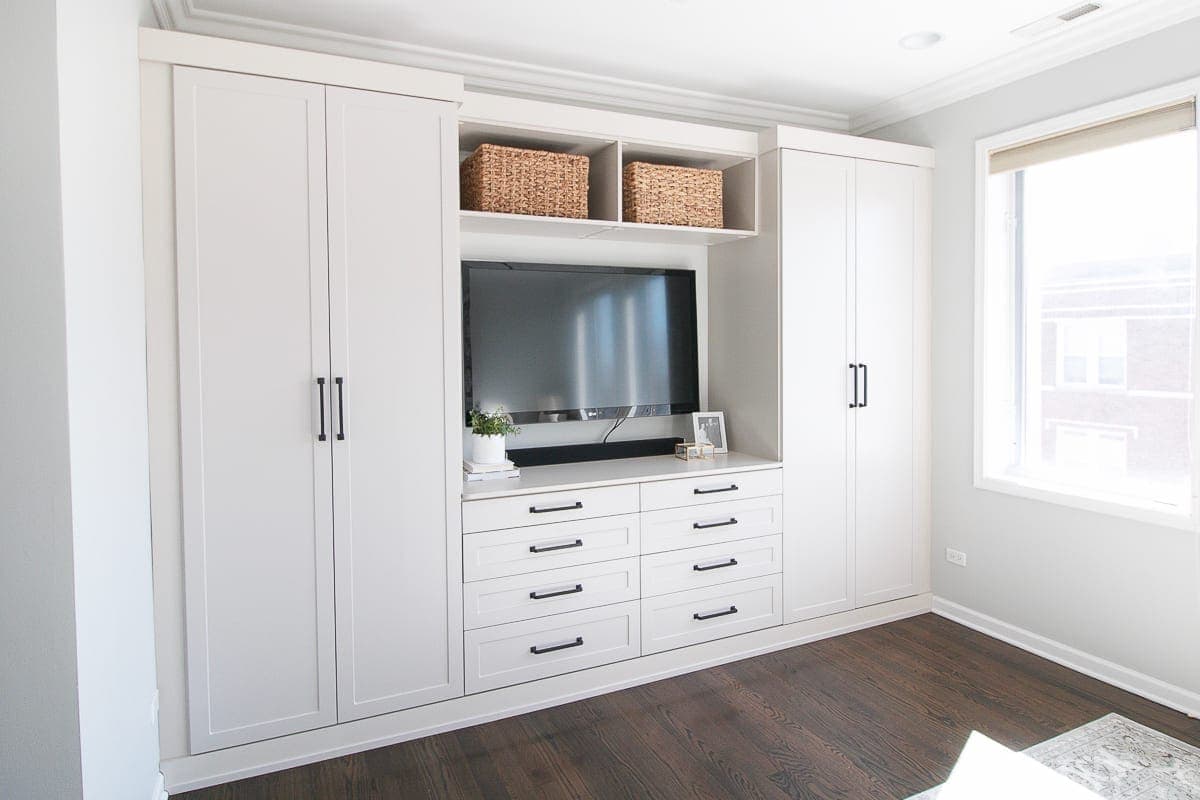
(853, 258)
(319, 386)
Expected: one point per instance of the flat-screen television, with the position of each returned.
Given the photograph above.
(554, 343)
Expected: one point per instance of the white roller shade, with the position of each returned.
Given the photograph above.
(1123, 130)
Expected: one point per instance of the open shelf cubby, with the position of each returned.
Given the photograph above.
(608, 159)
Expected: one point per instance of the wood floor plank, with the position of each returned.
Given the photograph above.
(878, 713)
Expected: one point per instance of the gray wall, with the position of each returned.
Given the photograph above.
(76, 618)
(39, 728)
(100, 157)
(1120, 590)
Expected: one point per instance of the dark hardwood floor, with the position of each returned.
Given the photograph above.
(880, 713)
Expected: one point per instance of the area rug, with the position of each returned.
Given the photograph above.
(1121, 760)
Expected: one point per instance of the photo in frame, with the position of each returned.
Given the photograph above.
(709, 426)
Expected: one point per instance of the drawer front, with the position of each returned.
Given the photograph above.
(549, 507)
(538, 648)
(699, 615)
(540, 547)
(556, 591)
(697, 567)
(677, 528)
(711, 489)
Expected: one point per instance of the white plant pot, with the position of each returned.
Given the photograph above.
(487, 449)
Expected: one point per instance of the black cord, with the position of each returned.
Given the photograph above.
(618, 424)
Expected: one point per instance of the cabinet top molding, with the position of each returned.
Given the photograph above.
(784, 137)
(211, 52)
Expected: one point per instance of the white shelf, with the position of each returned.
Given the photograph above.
(611, 141)
(608, 230)
(587, 474)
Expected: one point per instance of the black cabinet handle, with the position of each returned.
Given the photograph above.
(341, 406)
(321, 394)
(700, 526)
(537, 651)
(533, 548)
(578, 504)
(715, 614)
(730, 563)
(535, 596)
(863, 404)
(854, 403)
(733, 487)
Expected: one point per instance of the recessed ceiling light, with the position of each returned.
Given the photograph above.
(920, 40)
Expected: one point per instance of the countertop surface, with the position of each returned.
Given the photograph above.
(585, 474)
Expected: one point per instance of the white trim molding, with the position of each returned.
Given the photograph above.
(234, 763)
(1113, 27)
(1130, 680)
(1109, 27)
(501, 76)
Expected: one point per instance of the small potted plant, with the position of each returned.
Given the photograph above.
(488, 431)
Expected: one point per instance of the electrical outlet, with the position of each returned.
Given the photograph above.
(956, 557)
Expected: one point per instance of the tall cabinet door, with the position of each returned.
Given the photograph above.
(396, 371)
(253, 340)
(817, 241)
(891, 202)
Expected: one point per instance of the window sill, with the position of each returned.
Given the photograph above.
(1140, 510)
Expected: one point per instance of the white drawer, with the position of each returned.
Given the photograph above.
(696, 567)
(548, 507)
(555, 591)
(519, 550)
(711, 489)
(683, 618)
(538, 648)
(676, 528)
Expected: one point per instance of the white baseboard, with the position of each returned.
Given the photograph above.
(1130, 680)
(221, 766)
(160, 788)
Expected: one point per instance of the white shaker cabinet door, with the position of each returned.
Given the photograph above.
(817, 221)
(396, 405)
(253, 342)
(892, 200)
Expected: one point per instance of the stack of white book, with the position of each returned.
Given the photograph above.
(489, 472)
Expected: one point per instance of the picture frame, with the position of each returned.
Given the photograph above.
(709, 427)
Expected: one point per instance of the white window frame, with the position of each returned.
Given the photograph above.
(1182, 518)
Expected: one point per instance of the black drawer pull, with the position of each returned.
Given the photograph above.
(533, 548)
(700, 526)
(537, 651)
(535, 596)
(321, 394)
(733, 487)
(730, 563)
(715, 614)
(578, 504)
(341, 434)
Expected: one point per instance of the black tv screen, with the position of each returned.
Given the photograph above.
(552, 343)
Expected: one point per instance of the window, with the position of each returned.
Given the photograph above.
(1091, 352)
(1086, 310)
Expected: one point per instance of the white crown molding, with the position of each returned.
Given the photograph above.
(1111, 28)
(500, 76)
(163, 14)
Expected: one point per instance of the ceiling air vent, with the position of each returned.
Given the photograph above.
(1076, 13)
(1046, 24)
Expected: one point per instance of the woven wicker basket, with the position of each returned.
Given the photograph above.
(512, 180)
(673, 195)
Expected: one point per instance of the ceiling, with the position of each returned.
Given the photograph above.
(835, 63)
